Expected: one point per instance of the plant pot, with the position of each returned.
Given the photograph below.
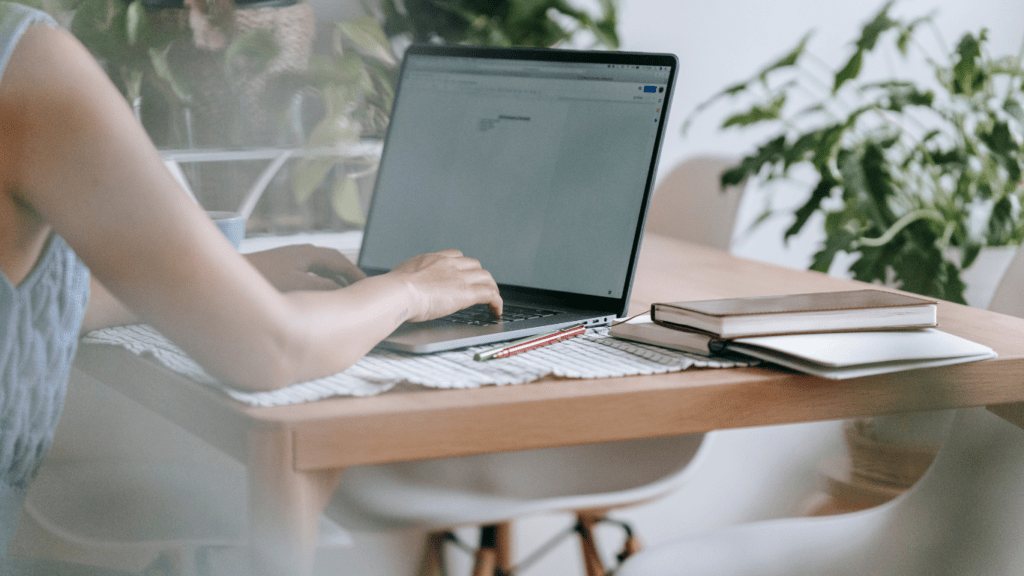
(983, 276)
(238, 109)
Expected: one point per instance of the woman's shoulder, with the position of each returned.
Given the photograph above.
(12, 13)
(14, 20)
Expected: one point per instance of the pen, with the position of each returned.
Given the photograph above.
(530, 343)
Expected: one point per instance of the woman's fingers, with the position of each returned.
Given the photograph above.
(445, 282)
(305, 267)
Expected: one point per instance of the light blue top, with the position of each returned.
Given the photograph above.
(39, 324)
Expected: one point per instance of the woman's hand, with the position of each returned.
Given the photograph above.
(446, 282)
(305, 267)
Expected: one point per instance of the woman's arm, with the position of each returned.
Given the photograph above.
(74, 152)
(287, 268)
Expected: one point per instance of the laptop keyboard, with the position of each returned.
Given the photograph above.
(481, 315)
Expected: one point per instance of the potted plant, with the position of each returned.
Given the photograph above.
(913, 179)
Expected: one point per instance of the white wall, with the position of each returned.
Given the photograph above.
(720, 43)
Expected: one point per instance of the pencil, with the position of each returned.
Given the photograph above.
(530, 343)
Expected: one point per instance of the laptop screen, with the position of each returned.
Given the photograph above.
(537, 168)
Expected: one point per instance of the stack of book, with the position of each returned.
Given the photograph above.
(829, 334)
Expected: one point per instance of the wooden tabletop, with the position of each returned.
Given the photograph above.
(423, 423)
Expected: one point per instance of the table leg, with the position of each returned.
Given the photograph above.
(284, 505)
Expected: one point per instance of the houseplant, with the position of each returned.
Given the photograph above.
(913, 178)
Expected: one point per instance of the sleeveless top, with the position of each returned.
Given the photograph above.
(39, 324)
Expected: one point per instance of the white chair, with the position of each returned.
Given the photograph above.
(965, 516)
(689, 203)
(125, 489)
(493, 490)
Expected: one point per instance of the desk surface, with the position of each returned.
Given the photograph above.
(420, 423)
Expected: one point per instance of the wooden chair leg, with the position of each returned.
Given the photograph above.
(630, 547)
(503, 547)
(486, 555)
(591, 559)
(432, 562)
(486, 563)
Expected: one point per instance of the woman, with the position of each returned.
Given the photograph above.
(82, 186)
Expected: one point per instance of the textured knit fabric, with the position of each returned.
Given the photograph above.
(39, 323)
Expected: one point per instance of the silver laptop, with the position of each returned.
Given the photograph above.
(538, 163)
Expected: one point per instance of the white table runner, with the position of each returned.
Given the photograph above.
(593, 355)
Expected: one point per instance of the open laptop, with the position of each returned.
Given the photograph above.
(538, 163)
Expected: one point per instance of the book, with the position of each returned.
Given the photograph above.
(842, 355)
(642, 329)
(867, 309)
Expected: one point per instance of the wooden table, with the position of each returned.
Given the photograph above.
(295, 454)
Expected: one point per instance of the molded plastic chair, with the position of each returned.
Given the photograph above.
(689, 203)
(965, 516)
(177, 512)
(494, 489)
(125, 488)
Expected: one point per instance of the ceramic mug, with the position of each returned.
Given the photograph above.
(231, 224)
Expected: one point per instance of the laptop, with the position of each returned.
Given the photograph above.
(538, 163)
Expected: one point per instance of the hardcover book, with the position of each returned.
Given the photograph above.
(854, 310)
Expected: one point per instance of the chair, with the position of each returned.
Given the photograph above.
(965, 516)
(689, 203)
(137, 496)
(492, 490)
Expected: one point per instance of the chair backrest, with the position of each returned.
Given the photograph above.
(690, 204)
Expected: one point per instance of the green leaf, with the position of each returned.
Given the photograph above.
(967, 76)
(804, 147)
(826, 183)
(835, 243)
(135, 21)
(873, 29)
(902, 97)
(830, 138)
(906, 32)
(921, 270)
(733, 176)
(970, 254)
(1001, 222)
(308, 174)
(879, 183)
(952, 287)
(1014, 109)
(331, 132)
(850, 71)
(345, 200)
(368, 38)
(999, 139)
(872, 263)
(789, 59)
(758, 113)
(164, 71)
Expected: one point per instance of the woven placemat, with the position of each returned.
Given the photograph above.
(593, 355)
